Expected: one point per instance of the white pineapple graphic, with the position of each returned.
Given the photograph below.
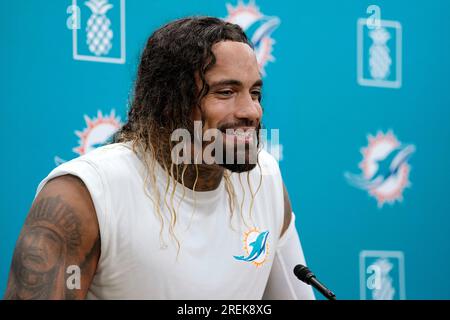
(99, 34)
(380, 60)
(386, 291)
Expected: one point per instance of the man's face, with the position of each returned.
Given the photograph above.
(232, 102)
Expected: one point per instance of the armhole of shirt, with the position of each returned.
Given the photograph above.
(288, 233)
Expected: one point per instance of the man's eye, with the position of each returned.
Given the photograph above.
(257, 94)
(226, 93)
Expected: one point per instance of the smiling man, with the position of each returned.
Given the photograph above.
(126, 221)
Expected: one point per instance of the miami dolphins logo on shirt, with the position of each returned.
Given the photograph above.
(255, 246)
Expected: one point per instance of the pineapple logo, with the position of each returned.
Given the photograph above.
(98, 30)
(380, 60)
(384, 290)
(97, 132)
(385, 168)
(382, 275)
(99, 34)
(258, 28)
(379, 53)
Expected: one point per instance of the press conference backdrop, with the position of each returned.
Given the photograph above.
(359, 91)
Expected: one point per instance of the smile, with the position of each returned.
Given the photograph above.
(239, 134)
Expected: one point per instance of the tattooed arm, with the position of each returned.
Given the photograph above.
(59, 238)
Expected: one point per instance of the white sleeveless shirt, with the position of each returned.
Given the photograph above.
(219, 257)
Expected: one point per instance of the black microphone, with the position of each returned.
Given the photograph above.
(305, 275)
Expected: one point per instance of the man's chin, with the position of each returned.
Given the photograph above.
(238, 168)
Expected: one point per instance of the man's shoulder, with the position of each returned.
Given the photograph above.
(106, 162)
(109, 153)
(105, 158)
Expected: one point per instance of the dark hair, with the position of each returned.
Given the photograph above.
(166, 90)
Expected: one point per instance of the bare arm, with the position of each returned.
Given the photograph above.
(59, 238)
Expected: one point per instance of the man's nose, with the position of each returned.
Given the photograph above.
(248, 109)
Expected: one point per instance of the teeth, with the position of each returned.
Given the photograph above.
(241, 133)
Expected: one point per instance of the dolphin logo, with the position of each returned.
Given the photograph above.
(384, 168)
(387, 168)
(258, 248)
(258, 27)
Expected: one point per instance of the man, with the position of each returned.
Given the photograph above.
(127, 221)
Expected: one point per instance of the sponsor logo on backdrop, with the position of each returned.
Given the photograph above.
(97, 132)
(256, 247)
(258, 27)
(379, 53)
(98, 30)
(382, 275)
(384, 168)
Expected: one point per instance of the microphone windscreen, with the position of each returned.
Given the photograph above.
(303, 273)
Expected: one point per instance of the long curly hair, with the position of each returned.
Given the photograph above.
(166, 92)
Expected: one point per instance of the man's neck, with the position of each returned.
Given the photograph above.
(205, 177)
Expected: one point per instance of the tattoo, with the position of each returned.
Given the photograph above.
(91, 255)
(87, 266)
(50, 240)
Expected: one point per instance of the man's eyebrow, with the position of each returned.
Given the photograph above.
(258, 83)
(233, 82)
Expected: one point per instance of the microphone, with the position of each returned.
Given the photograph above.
(305, 275)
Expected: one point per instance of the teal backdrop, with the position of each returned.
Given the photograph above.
(359, 243)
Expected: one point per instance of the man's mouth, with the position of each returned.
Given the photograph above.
(239, 135)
